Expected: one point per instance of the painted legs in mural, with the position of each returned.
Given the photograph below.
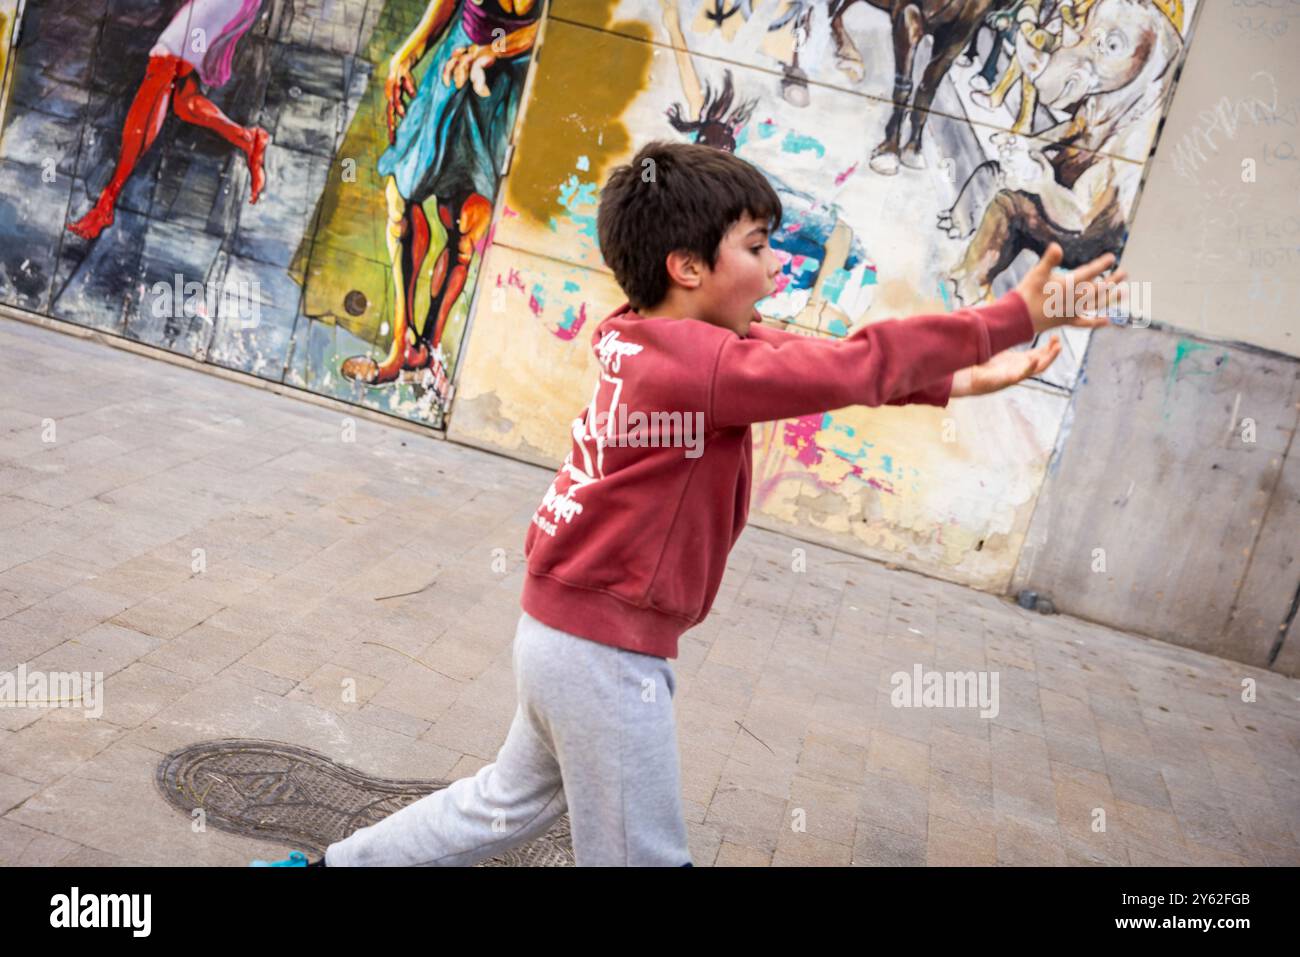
(446, 144)
(170, 82)
(951, 27)
(408, 245)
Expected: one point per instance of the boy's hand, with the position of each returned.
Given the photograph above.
(1004, 369)
(1071, 299)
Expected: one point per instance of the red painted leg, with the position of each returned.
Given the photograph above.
(408, 244)
(407, 351)
(193, 107)
(475, 216)
(144, 120)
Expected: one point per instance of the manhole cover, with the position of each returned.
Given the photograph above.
(286, 794)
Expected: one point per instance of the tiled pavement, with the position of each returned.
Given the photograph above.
(326, 559)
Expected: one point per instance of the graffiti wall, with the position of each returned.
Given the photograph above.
(924, 161)
(297, 189)
(321, 192)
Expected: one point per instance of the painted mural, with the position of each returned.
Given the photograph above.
(313, 191)
(925, 153)
(299, 189)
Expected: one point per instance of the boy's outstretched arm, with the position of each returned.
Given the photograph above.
(761, 379)
(755, 379)
(1052, 301)
(1003, 370)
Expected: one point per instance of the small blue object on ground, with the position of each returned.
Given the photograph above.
(295, 859)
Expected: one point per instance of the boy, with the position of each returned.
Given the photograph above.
(628, 548)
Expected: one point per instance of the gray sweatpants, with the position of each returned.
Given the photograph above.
(593, 733)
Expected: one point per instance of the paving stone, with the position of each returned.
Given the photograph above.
(14, 790)
(703, 841)
(894, 804)
(805, 850)
(1027, 843)
(166, 619)
(738, 855)
(899, 758)
(22, 846)
(139, 691)
(953, 845)
(55, 745)
(747, 817)
(203, 650)
(880, 847)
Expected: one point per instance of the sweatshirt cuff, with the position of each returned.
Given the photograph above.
(1008, 323)
(936, 393)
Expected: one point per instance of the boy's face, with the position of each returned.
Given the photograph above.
(745, 272)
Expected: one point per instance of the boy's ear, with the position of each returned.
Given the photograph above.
(685, 268)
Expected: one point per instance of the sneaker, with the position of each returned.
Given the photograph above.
(295, 859)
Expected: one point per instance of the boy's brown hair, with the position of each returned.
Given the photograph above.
(675, 196)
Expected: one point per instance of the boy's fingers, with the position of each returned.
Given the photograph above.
(1111, 281)
(1051, 257)
(1047, 355)
(1095, 268)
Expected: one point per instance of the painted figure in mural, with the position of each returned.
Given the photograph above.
(951, 26)
(200, 39)
(1002, 43)
(1036, 24)
(786, 37)
(448, 143)
(1111, 77)
(784, 41)
(725, 15)
(810, 232)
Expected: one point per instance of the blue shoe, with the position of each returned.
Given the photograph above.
(295, 859)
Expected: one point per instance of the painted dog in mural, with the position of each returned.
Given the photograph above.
(951, 24)
(200, 38)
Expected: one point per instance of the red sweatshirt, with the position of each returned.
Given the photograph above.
(630, 542)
